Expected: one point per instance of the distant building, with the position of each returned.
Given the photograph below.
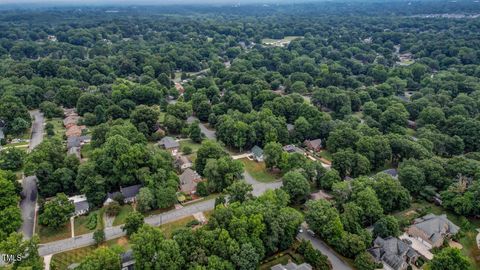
(179, 88)
(75, 131)
(76, 151)
(393, 253)
(291, 148)
(257, 153)
(392, 172)
(412, 124)
(290, 128)
(314, 145)
(129, 194)
(189, 180)
(432, 230)
(292, 266)
(81, 204)
(71, 120)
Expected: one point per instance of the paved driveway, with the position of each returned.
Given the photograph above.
(29, 184)
(210, 134)
(258, 187)
(337, 262)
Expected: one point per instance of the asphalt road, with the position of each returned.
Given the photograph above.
(337, 262)
(116, 231)
(29, 184)
(154, 220)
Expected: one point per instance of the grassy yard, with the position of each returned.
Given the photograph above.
(61, 261)
(468, 226)
(326, 155)
(58, 127)
(81, 222)
(120, 218)
(48, 235)
(258, 171)
(193, 145)
(168, 228)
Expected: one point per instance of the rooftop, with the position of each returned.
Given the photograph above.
(168, 143)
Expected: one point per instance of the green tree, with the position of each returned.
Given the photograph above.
(101, 258)
(296, 185)
(368, 201)
(11, 158)
(222, 172)
(364, 261)
(152, 251)
(27, 249)
(145, 200)
(57, 211)
(208, 150)
(146, 115)
(450, 259)
(99, 236)
(412, 178)
(272, 154)
(195, 133)
(239, 191)
(386, 226)
(133, 223)
(324, 220)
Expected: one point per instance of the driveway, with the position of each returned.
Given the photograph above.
(210, 134)
(337, 262)
(258, 187)
(29, 184)
(37, 129)
(27, 205)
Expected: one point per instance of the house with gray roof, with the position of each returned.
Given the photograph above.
(393, 253)
(392, 172)
(292, 266)
(81, 204)
(77, 141)
(257, 153)
(291, 148)
(128, 261)
(432, 229)
(189, 180)
(169, 144)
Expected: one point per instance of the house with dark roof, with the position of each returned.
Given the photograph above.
(393, 253)
(189, 180)
(169, 144)
(432, 230)
(292, 266)
(313, 145)
(257, 153)
(129, 194)
(291, 148)
(392, 172)
(128, 261)
(81, 204)
(2, 126)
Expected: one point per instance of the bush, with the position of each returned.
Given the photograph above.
(202, 189)
(92, 221)
(192, 223)
(113, 209)
(187, 150)
(99, 236)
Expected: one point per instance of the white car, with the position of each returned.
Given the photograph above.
(311, 232)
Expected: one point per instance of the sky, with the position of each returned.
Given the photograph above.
(138, 2)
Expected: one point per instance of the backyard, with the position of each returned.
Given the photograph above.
(122, 215)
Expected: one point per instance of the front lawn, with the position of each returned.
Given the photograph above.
(169, 228)
(89, 223)
(49, 235)
(122, 215)
(58, 128)
(193, 145)
(258, 171)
